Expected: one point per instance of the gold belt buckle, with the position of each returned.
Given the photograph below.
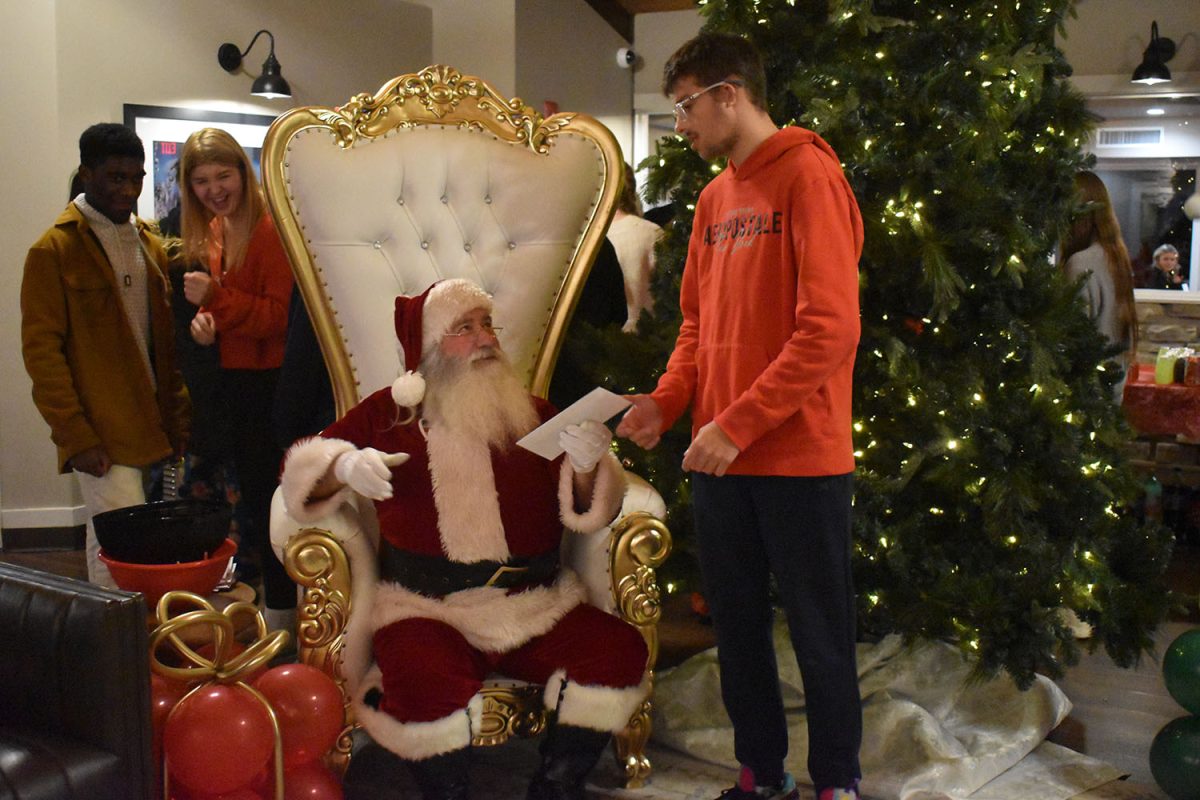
(496, 575)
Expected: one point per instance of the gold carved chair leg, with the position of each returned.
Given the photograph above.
(630, 748)
(640, 544)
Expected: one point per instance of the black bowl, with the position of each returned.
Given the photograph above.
(166, 532)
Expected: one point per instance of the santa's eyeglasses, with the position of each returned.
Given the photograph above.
(473, 329)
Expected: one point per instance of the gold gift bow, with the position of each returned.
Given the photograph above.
(221, 668)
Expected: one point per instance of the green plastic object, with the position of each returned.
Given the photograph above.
(1181, 670)
(1175, 758)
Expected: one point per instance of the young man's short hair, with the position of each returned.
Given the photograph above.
(713, 57)
(107, 139)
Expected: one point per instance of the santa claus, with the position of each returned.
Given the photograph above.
(471, 583)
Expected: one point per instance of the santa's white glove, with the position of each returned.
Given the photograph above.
(585, 444)
(367, 471)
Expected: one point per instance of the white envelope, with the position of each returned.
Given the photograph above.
(599, 405)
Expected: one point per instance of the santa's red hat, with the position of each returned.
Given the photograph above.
(422, 320)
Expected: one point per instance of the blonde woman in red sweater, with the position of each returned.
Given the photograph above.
(243, 302)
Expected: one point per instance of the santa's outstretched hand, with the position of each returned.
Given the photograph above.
(585, 444)
(368, 471)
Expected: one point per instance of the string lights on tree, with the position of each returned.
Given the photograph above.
(992, 490)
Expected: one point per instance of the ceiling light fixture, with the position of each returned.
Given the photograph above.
(271, 83)
(1153, 68)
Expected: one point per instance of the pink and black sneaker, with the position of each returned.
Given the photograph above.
(747, 789)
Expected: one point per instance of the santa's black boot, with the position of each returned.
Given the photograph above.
(568, 755)
(443, 777)
(375, 773)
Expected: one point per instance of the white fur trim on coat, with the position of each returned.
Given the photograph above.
(488, 617)
(607, 495)
(600, 708)
(305, 463)
(414, 741)
(464, 493)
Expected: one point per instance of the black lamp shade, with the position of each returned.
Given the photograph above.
(271, 83)
(1153, 68)
(1151, 71)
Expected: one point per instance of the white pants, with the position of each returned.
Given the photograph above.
(120, 487)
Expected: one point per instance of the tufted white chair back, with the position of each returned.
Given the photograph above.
(436, 176)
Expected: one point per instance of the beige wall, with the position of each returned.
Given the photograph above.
(1105, 42)
(578, 71)
(476, 37)
(656, 37)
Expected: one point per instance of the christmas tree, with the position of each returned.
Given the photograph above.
(992, 490)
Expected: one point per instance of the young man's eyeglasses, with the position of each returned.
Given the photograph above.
(473, 329)
(681, 108)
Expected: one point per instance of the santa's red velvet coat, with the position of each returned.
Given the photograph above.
(457, 499)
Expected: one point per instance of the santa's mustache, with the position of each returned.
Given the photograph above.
(485, 352)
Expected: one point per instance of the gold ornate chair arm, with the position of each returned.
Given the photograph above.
(316, 561)
(640, 544)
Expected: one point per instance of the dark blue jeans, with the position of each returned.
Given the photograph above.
(798, 529)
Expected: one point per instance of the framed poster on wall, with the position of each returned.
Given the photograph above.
(163, 130)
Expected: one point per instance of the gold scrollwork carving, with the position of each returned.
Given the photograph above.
(440, 94)
(509, 711)
(315, 561)
(641, 543)
(629, 745)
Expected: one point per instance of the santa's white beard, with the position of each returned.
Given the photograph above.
(482, 398)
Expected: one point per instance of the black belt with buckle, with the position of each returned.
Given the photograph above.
(437, 577)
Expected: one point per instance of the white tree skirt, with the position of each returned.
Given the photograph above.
(929, 734)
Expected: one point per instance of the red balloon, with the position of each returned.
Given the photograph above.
(218, 739)
(308, 705)
(311, 781)
(164, 694)
(237, 794)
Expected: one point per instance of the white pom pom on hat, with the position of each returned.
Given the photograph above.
(421, 320)
(409, 389)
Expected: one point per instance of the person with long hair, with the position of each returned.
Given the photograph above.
(243, 301)
(1093, 247)
(634, 238)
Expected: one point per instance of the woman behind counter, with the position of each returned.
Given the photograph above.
(243, 300)
(1093, 247)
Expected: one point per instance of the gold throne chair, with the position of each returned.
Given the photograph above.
(438, 176)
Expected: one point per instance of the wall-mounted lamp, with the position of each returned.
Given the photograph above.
(1153, 68)
(270, 84)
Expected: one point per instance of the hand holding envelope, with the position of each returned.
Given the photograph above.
(585, 444)
(597, 406)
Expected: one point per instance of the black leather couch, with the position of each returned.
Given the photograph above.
(74, 690)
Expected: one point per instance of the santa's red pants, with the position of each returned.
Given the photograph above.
(430, 671)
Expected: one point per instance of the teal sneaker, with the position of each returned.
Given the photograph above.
(746, 789)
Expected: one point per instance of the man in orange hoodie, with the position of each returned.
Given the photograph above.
(765, 360)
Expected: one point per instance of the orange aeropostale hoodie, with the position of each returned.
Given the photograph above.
(770, 311)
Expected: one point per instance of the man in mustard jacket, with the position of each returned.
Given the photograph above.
(97, 335)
